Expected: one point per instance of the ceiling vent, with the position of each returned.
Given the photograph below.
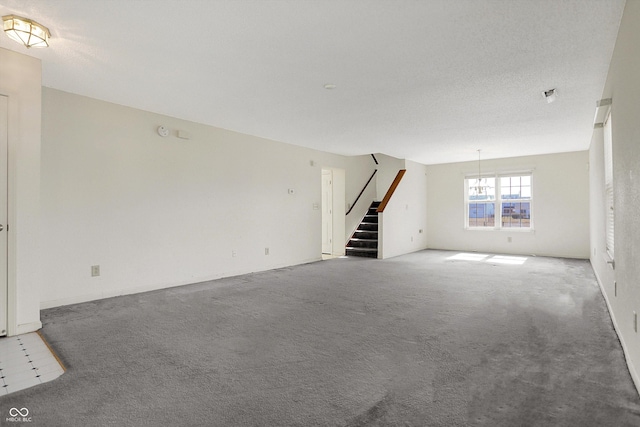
(550, 95)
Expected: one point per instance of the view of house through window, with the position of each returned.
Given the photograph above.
(481, 202)
(512, 209)
(515, 198)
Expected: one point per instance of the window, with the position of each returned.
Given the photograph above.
(499, 201)
(608, 184)
(515, 200)
(481, 199)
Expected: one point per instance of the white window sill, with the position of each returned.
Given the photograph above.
(501, 230)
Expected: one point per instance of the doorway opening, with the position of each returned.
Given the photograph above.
(327, 212)
(4, 213)
(333, 212)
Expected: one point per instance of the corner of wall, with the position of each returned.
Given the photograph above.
(619, 285)
(24, 92)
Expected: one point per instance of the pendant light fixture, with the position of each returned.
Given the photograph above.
(480, 188)
(26, 31)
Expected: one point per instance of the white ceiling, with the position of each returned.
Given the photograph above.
(432, 81)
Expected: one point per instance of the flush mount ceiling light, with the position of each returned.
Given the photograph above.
(602, 109)
(329, 86)
(26, 31)
(550, 95)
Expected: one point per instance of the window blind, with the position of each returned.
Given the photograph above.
(608, 186)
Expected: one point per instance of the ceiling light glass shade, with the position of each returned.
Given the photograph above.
(480, 187)
(26, 31)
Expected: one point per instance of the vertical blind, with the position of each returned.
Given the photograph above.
(608, 185)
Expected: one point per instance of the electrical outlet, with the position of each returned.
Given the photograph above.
(266, 251)
(234, 253)
(95, 270)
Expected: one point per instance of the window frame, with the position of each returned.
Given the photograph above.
(498, 202)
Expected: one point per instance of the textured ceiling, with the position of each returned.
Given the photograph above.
(431, 81)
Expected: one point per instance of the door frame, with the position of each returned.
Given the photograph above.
(327, 211)
(21, 83)
(4, 215)
(339, 209)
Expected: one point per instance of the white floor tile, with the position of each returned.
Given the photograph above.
(50, 376)
(39, 346)
(30, 338)
(49, 367)
(16, 370)
(23, 377)
(14, 364)
(23, 384)
(13, 357)
(26, 361)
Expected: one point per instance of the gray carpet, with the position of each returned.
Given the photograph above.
(417, 340)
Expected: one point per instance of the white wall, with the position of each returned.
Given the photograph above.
(597, 212)
(359, 171)
(155, 212)
(388, 168)
(623, 86)
(403, 224)
(20, 80)
(560, 207)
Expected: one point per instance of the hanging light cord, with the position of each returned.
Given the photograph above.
(479, 187)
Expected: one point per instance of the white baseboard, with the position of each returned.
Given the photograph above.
(25, 328)
(625, 351)
(76, 299)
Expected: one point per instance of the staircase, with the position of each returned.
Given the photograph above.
(364, 241)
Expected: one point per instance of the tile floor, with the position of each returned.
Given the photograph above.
(329, 256)
(26, 361)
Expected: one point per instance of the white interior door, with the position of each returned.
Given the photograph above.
(4, 120)
(327, 211)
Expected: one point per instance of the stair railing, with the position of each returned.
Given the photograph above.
(391, 190)
(362, 191)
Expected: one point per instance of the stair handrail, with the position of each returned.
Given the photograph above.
(361, 191)
(391, 190)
